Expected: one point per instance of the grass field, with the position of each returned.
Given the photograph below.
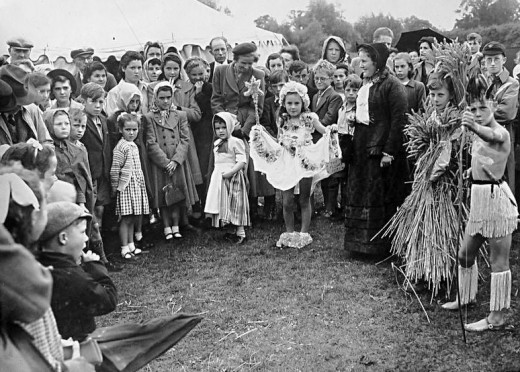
(314, 309)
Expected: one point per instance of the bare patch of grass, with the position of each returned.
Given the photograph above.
(267, 309)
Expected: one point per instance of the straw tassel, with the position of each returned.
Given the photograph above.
(500, 291)
(493, 211)
(468, 281)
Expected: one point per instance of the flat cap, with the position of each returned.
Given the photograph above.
(81, 52)
(493, 48)
(244, 48)
(61, 215)
(20, 43)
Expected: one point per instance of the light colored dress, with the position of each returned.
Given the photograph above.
(294, 156)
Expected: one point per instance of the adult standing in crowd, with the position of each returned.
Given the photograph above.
(131, 69)
(82, 59)
(378, 169)
(19, 49)
(218, 47)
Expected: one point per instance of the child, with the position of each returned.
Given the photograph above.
(42, 85)
(151, 70)
(128, 183)
(295, 159)
(63, 85)
(73, 166)
(96, 140)
(299, 72)
(415, 91)
(227, 199)
(78, 125)
(275, 62)
(325, 104)
(167, 141)
(493, 212)
(346, 121)
(339, 77)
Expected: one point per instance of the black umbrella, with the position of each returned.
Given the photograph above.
(409, 40)
(129, 347)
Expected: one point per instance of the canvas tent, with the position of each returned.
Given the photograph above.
(112, 27)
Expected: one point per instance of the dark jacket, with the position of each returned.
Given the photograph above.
(327, 109)
(212, 68)
(269, 116)
(387, 103)
(79, 293)
(99, 151)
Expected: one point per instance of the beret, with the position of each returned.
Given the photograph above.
(244, 48)
(81, 52)
(20, 43)
(493, 48)
(61, 215)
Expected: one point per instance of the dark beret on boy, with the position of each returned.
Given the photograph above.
(61, 215)
(81, 52)
(493, 48)
(244, 48)
(20, 43)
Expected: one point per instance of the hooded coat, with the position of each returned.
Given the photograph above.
(374, 193)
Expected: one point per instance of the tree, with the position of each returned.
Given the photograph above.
(413, 23)
(214, 5)
(483, 13)
(368, 24)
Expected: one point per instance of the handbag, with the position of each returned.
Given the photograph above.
(173, 194)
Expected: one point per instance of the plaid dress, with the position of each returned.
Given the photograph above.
(128, 179)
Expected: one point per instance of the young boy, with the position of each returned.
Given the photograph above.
(78, 125)
(82, 288)
(504, 91)
(339, 77)
(41, 84)
(325, 104)
(493, 211)
(299, 72)
(99, 150)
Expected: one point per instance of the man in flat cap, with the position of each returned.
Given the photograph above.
(504, 91)
(82, 288)
(82, 58)
(19, 49)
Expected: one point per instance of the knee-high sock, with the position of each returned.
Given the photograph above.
(500, 297)
(468, 281)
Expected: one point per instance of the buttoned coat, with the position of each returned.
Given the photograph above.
(99, 150)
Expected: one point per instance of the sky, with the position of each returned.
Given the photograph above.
(441, 13)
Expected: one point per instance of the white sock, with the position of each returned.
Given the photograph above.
(167, 230)
(131, 246)
(125, 249)
(175, 229)
(138, 236)
(241, 231)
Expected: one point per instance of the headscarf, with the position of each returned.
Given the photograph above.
(146, 64)
(154, 44)
(126, 93)
(164, 113)
(230, 120)
(343, 50)
(48, 117)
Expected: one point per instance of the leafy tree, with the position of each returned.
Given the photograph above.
(414, 23)
(483, 13)
(215, 5)
(368, 24)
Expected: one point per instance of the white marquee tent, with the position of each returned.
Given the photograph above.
(112, 27)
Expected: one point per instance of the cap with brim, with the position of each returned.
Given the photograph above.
(494, 48)
(61, 215)
(15, 76)
(7, 98)
(81, 52)
(244, 48)
(20, 43)
(61, 72)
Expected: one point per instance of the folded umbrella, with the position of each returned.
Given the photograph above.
(129, 347)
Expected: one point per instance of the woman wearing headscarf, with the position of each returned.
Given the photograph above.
(378, 170)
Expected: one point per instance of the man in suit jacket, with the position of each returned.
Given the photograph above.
(218, 47)
(82, 57)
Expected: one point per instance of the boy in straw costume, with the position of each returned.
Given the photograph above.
(493, 211)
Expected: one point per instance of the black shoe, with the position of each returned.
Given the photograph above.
(113, 267)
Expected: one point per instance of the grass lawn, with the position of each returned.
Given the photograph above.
(314, 309)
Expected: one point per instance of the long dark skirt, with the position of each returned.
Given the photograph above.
(373, 195)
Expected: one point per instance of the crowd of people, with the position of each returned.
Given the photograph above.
(196, 144)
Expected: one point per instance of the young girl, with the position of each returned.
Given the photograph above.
(493, 211)
(63, 85)
(227, 192)
(415, 91)
(168, 141)
(295, 160)
(128, 182)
